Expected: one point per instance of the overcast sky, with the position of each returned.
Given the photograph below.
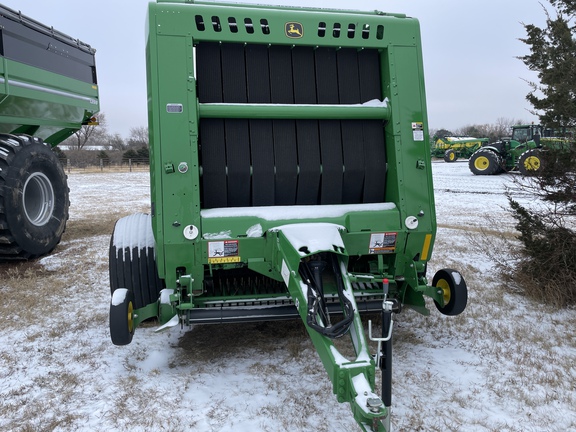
(470, 48)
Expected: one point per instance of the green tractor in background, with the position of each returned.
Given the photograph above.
(450, 148)
(521, 152)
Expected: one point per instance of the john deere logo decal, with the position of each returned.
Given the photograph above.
(294, 30)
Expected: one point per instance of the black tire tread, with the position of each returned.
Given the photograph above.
(132, 259)
(522, 159)
(11, 248)
(495, 162)
(459, 292)
(447, 154)
(120, 333)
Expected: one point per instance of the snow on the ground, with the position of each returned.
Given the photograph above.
(505, 364)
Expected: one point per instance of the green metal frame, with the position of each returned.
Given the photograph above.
(42, 103)
(170, 42)
(38, 102)
(184, 231)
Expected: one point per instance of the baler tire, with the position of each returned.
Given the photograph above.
(450, 156)
(34, 198)
(530, 162)
(122, 316)
(132, 259)
(454, 289)
(485, 162)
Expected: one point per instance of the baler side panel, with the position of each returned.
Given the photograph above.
(176, 179)
(409, 179)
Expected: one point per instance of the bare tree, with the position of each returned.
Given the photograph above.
(89, 134)
(492, 131)
(116, 142)
(138, 137)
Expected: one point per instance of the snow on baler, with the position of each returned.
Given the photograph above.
(290, 177)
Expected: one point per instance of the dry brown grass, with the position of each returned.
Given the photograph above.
(29, 288)
(82, 228)
(505, 251)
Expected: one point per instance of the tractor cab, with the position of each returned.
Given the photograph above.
(522, 134)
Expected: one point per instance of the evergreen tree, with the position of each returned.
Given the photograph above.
(60, 155)
(143, 155)
(129, 154)
(553, 57)
(104, 158)
(547, 265)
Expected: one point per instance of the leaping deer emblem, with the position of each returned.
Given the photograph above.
(294, 30)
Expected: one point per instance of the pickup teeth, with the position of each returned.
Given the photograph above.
(241, 282)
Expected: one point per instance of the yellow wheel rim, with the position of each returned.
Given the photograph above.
(445, 287)
(532, 163)
(481, 163)
(130, 317)
(452, 156)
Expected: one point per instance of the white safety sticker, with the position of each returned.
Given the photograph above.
(381, 243)
(418, 131)
(285, 273)
(223, 252)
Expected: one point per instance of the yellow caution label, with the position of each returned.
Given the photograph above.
(224, 260)
(223, 252)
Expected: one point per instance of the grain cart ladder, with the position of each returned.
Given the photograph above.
(48, 90)
(290, 177)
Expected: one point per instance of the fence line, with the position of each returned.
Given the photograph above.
(105, 166)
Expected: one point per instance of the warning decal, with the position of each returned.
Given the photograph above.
(225, 251)
(418, 131)
(382, 243)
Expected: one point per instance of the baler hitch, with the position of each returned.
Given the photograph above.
(315, 270)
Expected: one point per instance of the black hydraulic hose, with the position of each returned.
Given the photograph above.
(316, 302)
(317, 267)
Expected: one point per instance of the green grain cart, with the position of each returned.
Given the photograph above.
(290, 178)
(48, 90)
(450, 148)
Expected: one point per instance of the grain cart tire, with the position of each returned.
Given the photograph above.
(454, 291)
(34, 198)
(485, 162)
(122, 316)
(530, 162)
(132, 259)
(450, 156)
